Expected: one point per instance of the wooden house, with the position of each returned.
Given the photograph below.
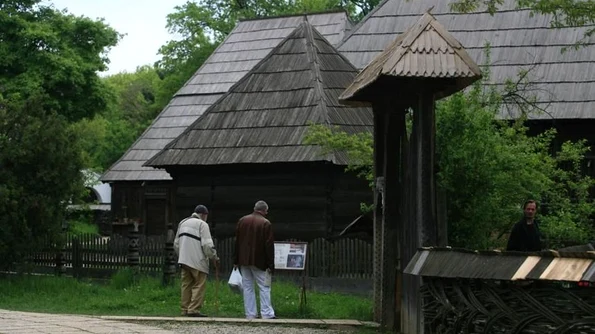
(249, 145)
(143, 194)
(561, 83)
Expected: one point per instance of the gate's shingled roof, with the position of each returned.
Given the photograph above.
(425, 51)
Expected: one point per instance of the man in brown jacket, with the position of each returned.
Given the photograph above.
(254, 254)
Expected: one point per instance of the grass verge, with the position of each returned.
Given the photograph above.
(127, 294)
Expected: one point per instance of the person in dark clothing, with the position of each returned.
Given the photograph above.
(525, 235)
(255, 256)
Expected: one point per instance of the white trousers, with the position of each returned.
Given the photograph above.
(250, 274)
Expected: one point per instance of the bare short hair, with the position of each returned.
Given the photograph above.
(529, 201)
(261, 206)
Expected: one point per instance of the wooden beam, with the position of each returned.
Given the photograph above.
(329, 210)
(378, 208)
(393, 151)
(426, 174)
(411, 238)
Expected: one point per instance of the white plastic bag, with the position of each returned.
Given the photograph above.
(235, 281)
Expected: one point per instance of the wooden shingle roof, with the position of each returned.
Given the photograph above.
(509, 266)
(426, 50)
(265, 116)
(244, 47)
(564, 83)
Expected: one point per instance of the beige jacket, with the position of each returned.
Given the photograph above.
(194, 245)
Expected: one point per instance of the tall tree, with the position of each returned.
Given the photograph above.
(135, 94)
(49, 61)
(40, 173)
(48, 52)
(105, 137)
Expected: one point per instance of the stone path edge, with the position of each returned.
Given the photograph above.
(317, 322)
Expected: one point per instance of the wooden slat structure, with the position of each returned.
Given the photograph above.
(249, 145)
(506, 292)
(449, 262)
(423, 64)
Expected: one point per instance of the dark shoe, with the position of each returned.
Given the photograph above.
(270, 318)
(197, 315)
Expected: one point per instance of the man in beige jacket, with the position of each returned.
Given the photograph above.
(194, 246)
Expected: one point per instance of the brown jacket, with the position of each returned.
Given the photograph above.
(255, 243)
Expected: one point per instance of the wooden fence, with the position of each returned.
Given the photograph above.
(89, 255)
(343, 258)
(99, 257)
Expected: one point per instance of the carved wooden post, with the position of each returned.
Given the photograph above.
(169, 266)
(419, 65)
(60, 250)
(133, 246)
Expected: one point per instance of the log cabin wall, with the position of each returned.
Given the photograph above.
(573, 130)
(126, 205)
(567, 129)
(147, 203)
(306, 200)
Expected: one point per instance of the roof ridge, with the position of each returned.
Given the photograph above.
(408, 37)
(330, 11)
(453, 43)
(362, 22)
(312, 54)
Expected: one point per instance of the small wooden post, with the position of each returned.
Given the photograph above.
(60, 250)
(303, 302)
(133, 246)
(169, 266)
(77, 261)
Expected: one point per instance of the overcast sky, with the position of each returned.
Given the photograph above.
(143, 22)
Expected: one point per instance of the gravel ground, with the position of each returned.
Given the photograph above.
(210, 328)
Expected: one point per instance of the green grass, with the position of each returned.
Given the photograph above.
(80, 227)
(126, 294)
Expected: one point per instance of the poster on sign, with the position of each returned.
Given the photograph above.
(290, 255)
